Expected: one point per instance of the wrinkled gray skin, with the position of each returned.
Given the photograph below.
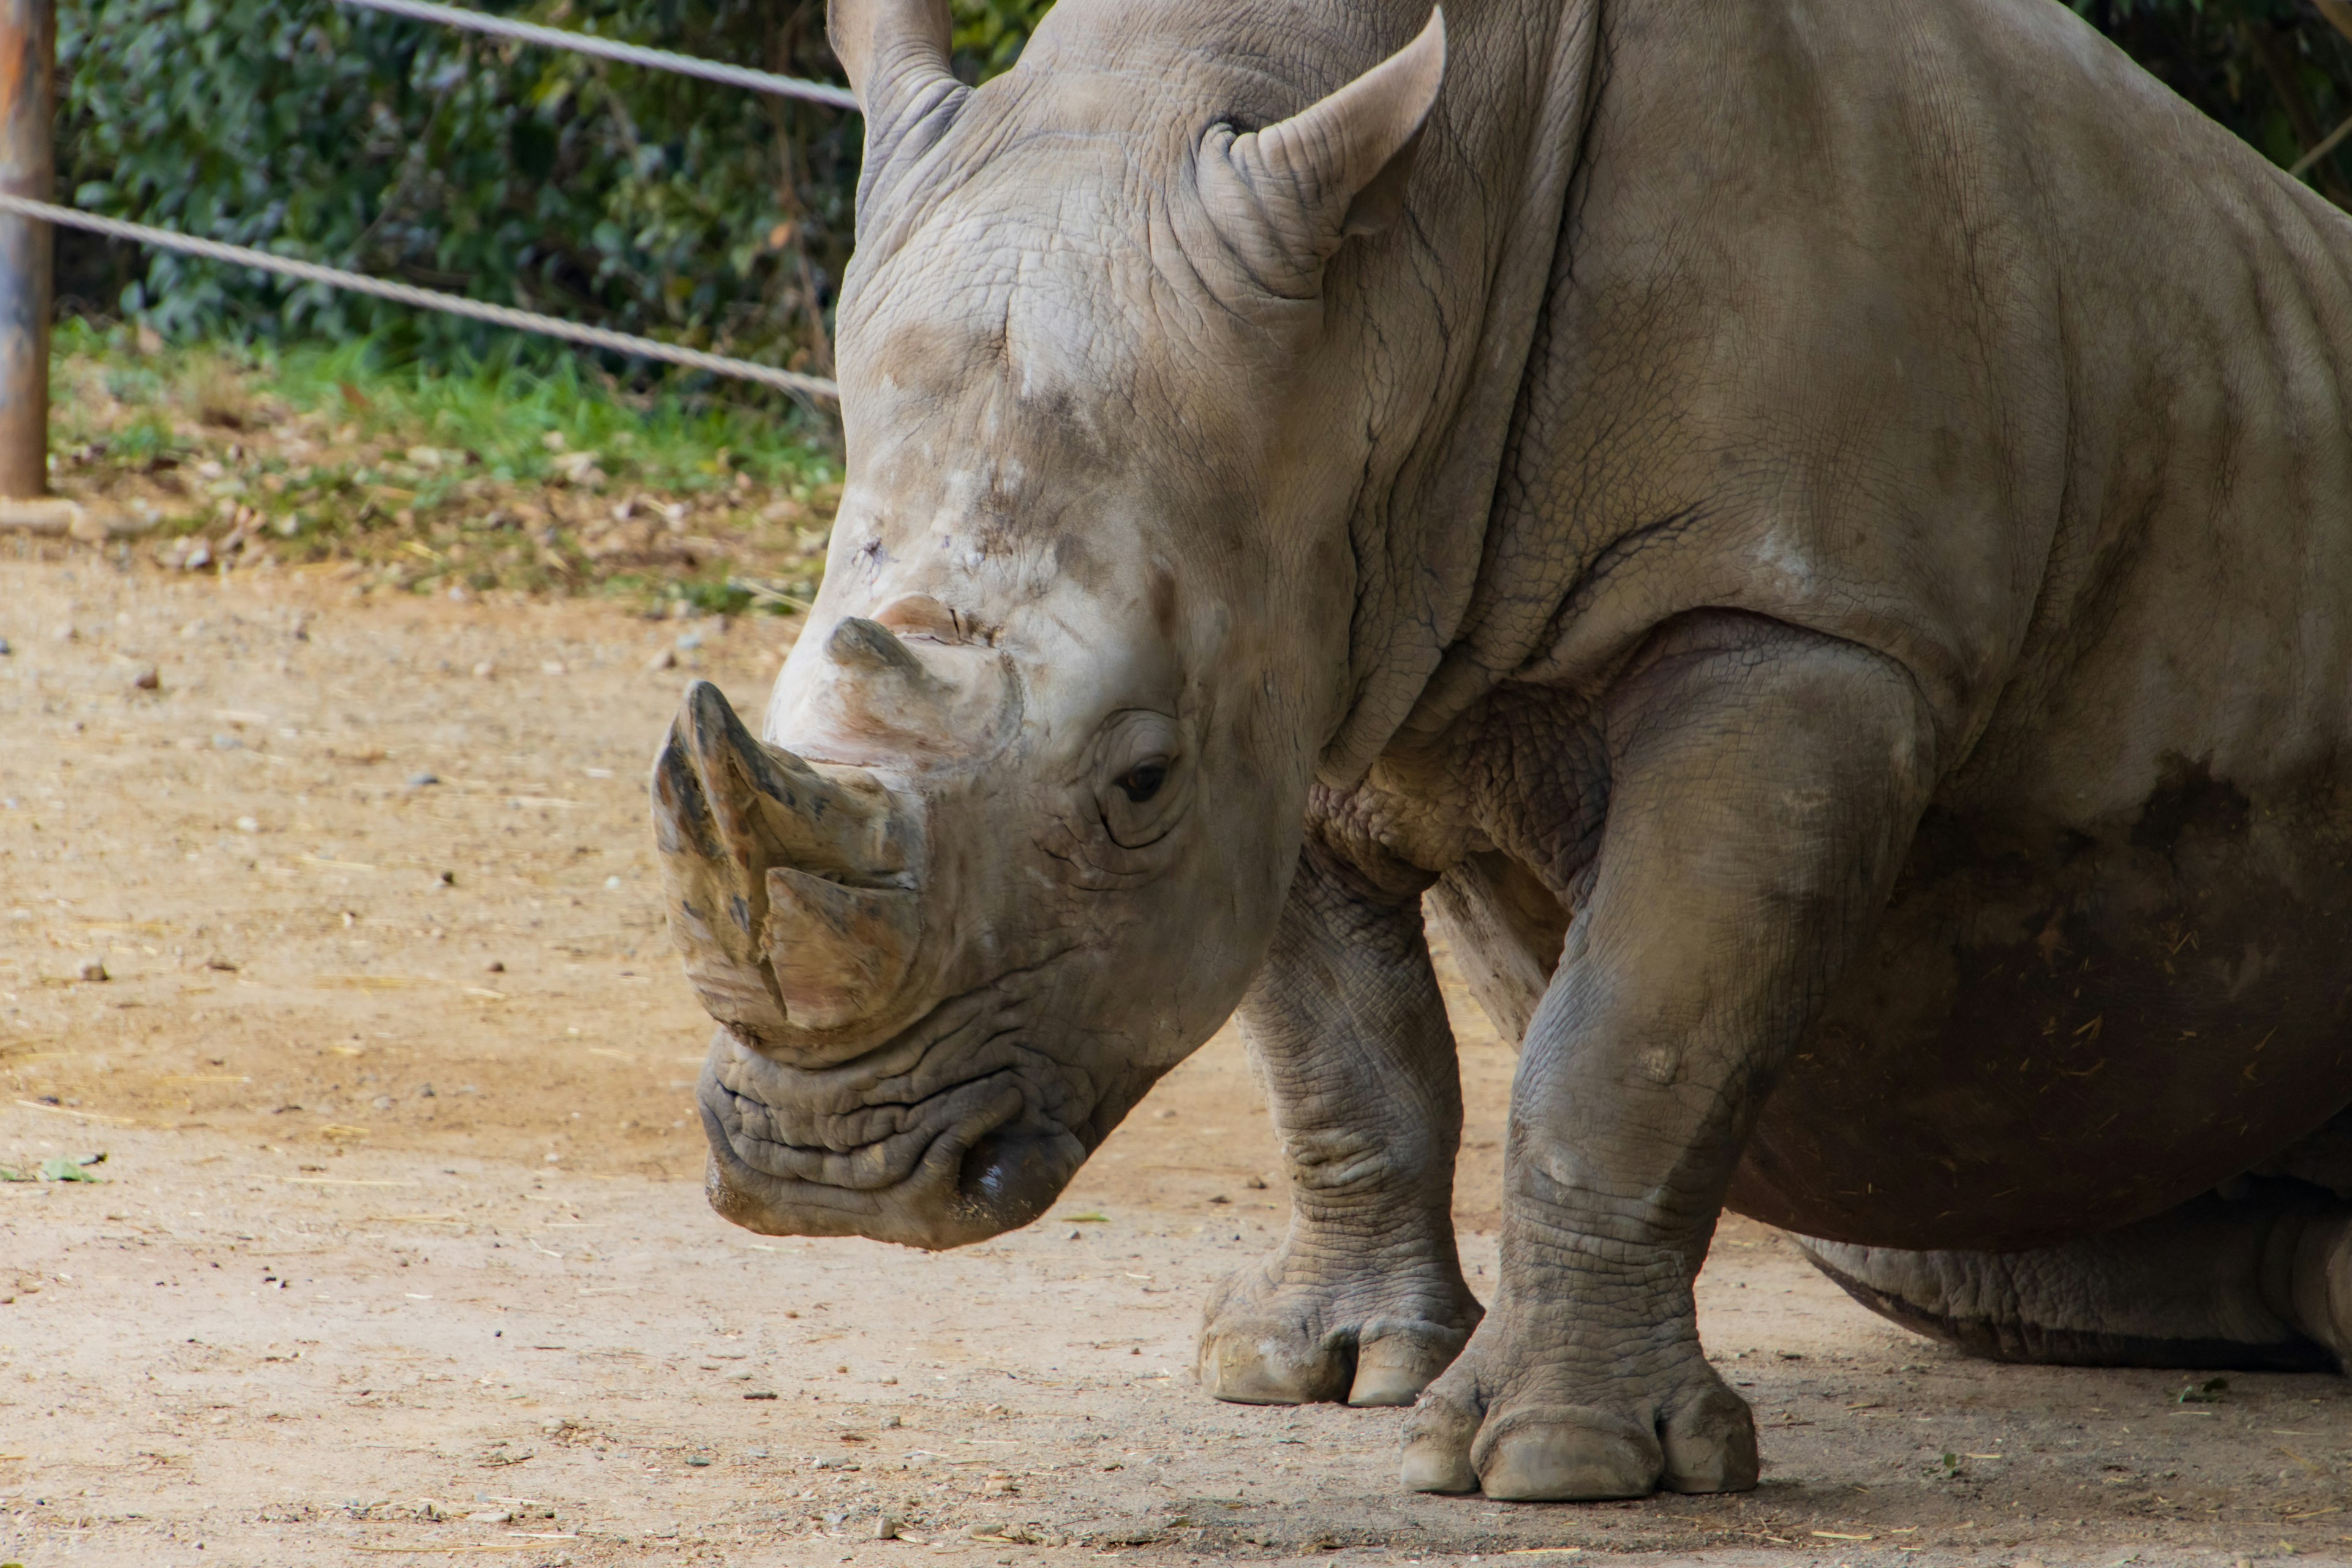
(1814, 535)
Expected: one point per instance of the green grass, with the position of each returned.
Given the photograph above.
(502, 412)
(483, 475)
(507, 416)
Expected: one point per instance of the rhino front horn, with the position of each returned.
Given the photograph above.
(785, 884)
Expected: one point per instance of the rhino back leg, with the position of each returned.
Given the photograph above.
(2260, 1279)
(1364, 1301)
(1506, 930)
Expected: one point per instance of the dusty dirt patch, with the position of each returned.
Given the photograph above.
(399, 1253)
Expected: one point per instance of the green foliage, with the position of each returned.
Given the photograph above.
(629, 198)
(2275, 71)
(71, 1167)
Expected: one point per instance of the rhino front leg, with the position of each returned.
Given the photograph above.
(1763, 784)
(1364, 1301)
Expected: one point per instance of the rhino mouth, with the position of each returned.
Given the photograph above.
(796, 1153)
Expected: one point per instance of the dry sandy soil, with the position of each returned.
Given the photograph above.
(400, 1250)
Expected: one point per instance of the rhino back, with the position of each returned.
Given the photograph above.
(1946, 330)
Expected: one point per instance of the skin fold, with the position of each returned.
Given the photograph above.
(1814, 538)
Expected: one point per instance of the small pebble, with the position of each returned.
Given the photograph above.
(886, 1528)
(4, 649)
(491, 1516)
(149, 679)
(612, 884)
(423, 781)
(553, 666)
(91, 970)
(495, 967)
(225, 743)
(485, 669)
(688, 641)
(665, 659)
(247, 825)
(66, 633)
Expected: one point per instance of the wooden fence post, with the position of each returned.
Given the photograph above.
(28, 55)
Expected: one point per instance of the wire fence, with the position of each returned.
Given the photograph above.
(613, 49)
(808, 386)
(813, 387)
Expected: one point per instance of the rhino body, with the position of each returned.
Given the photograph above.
(1812, 537)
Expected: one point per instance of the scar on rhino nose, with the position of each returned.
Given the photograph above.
(921, 616)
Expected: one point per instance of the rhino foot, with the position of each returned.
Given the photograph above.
(1294, 1330)
(1524, 1429)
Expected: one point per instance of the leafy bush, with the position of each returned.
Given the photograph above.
(2277, 72)
(635, 199)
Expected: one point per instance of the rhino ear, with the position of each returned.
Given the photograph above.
(895, 52)
(1287, 197)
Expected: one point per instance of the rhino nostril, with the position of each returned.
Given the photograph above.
(1013, 1177)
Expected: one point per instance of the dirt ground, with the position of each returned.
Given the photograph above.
(399, 1250)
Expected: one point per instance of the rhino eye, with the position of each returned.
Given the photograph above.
(1141, 781)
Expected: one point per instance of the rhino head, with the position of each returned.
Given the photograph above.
(1033, 780)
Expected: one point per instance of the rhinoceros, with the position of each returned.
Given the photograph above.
(1810, 539)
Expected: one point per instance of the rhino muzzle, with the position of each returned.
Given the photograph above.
(820, 1153)
(790, 889)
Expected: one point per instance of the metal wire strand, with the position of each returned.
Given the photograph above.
(425, 299)
(613, 49)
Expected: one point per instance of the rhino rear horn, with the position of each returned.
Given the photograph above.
(869, 644)
(1286, 197)
(734, 820)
